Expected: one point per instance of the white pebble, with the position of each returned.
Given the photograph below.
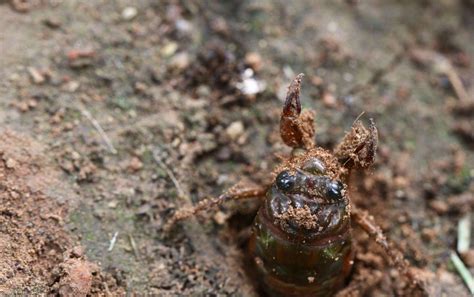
(235, 130)
(129, 13)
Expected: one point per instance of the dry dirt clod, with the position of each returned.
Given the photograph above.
(135, 164)
(76, 279)
(22, 6)
(77, 251)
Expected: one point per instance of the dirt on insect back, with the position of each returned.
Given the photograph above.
(38, 254)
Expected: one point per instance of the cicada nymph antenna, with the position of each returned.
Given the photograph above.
(296, 127)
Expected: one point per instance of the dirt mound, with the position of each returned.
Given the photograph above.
(38, 254)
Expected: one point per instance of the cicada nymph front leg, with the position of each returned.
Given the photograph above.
(236, 192)
(359, 146)
(296, 127)
(367, 223)
(357, 150)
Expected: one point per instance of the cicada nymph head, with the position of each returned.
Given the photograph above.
(308, 198)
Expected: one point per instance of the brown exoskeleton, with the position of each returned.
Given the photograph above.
(301, 242)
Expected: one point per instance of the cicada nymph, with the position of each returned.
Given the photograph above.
(301, 243)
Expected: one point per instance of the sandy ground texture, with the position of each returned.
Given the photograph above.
(114, 114)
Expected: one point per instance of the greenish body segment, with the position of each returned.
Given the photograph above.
(288, 266)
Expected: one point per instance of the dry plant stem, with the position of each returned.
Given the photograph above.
(170, 173)
(442, 65)
(457, 84)
(234, 193)
(99, 129)
(455, 81)
(367, 223)
(134, 246)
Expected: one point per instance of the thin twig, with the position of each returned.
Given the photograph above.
(457, 84)
(463, 271)
(134, 246)
(112, 242)
(464, 233)
(440, 64)
(170, 173)
(99, 129)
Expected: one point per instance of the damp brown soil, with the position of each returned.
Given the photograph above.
(115, 114)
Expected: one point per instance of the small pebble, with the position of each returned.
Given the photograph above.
(329, 100)
(180, 61)
(468, 257)
(439, 206)
(10, 163)
(129, 13)
(112, 204)
(220, 218)
(14, 194)
(135, 164)
(254, 60)
(36, 76)
(183, 26)
(77, 251)
(235, 130)
(72, 86)
(169, 49)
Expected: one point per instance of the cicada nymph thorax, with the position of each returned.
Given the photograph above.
(301, 241)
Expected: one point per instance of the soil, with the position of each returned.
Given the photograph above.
(38, 254)
(115, 114)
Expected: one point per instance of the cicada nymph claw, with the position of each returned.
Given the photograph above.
(296, 127)
(358, 146)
